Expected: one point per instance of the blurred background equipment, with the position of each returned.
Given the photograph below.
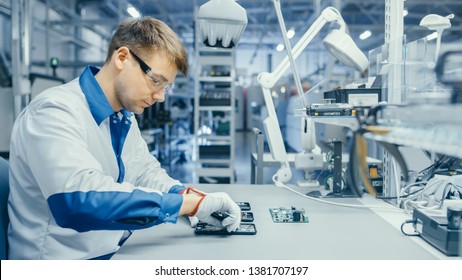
(343, 48)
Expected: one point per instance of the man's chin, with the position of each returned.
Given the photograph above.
(136, 110)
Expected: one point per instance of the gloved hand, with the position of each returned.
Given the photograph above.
(219, 202)
(193, 221)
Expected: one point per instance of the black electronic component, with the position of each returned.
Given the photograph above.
(339, 189)
(246, 217)
(432, 225)
(288, 215)
(337, 177)
(220, 215)
(244, 229)
(296, 216)
(245, 206)
(330, 110)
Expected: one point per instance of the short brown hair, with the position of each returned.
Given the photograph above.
(147, 34)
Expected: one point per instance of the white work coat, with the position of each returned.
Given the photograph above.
(65, 199)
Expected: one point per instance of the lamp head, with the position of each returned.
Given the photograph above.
(342, 47)
(221, 23)
(436, 22)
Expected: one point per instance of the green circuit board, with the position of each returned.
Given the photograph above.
(288, 215)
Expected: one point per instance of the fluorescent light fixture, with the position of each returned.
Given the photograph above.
(133, 12)
(366, 34)
(291, 33)
(280, 47)
(221, 23)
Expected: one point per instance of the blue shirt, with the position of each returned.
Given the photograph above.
(101, 109)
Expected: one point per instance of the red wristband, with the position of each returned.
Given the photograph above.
(201, 194)
(192, 190)
(193, 213)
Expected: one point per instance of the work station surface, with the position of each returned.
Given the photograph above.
(333, 232)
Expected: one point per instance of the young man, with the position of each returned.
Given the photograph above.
(82, 177)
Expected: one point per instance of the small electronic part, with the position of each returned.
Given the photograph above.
(288, 215)
(330, 110)
(246, 217)
(376, 178)
(373, 171)
(244, 229)
(377, 183)
(245, 206)
(220, 215)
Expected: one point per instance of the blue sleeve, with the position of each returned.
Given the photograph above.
(176, 189)
(84, 211)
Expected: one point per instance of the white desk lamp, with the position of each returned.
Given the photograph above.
(439, 24)
(221, 23)
(340, 45)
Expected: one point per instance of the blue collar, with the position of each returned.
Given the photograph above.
(97, 101)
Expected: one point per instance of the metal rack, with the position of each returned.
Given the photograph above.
(214, 115)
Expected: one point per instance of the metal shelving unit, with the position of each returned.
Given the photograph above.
(214, 110)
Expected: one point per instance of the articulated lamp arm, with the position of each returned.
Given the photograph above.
(268, 80)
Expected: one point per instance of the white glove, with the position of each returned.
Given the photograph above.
(219, 202)
(193, 221)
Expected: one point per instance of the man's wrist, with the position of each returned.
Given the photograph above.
(190, 204)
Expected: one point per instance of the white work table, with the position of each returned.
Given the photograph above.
(333, 232)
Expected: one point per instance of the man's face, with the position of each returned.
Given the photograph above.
(136, 90)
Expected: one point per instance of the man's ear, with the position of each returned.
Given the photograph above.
(120, 57)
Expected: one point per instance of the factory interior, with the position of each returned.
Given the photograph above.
(343, 117)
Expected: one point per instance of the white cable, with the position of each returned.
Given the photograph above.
(282, 185)
(427, 186)
(410, 203)
(397, 181)
(445, 193)
(403, 190)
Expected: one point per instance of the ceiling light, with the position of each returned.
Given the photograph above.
(133, 12)
(280, 47)
(366, 34)
(221, 23)
(405, 13)
(291, 33)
